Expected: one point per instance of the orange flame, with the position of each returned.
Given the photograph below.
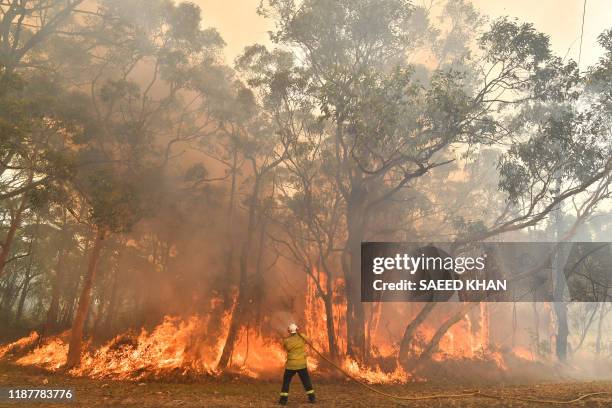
(177, 346)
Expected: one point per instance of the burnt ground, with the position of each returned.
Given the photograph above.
(228, 392)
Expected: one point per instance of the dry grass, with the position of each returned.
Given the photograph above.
(230, 392)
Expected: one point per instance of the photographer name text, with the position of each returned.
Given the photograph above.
(442, 285)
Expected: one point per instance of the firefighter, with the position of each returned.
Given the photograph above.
(295, 345)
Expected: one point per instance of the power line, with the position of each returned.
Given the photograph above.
(582, 32)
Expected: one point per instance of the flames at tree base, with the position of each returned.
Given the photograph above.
(175, 351)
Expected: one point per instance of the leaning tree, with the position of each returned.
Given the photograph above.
(390, 121)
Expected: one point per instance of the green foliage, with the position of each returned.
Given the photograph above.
(115, 203)
(515, 44)
(331, 28)
(566, 132)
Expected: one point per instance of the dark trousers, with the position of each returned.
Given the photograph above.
(304, 377)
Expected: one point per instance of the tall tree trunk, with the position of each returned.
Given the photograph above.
(229, 260)
(536, 323)
(602, 315)
(237, 314)
(559, 285)
(562, 330)
(329, 312)
(225, 302)
(355, 314)
(327, 296)
(331, 334)
(258, 293)
(51, 322)
(72, 297)
(96, 316)
(71, 301)
(24, 292)
(76, 334)
(485, 325)
(52, 312)
(10, 235)
(107, 327)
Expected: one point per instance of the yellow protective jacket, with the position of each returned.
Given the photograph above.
(296, 352)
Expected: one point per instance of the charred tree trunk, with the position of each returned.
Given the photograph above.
(259, 272)
(327, 296)
(434, 343)
(371, 325)
(355, 315)
(76, 334)
(411, 329)
(331, 334)
(236, 320)
(329, 312)
(237, 314)
(229, 259)
(225, 300)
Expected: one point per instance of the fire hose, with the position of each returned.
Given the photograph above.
(475, 393)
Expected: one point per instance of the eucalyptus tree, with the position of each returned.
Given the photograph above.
(307, 215)
(26, 25)
(33, 164)
(388, 127)
(309, 218)
(264, 147)
(560, 149)
(27, 120)
(136, 86)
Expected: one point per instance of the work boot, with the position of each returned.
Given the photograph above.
(311, 398)
(283, 400)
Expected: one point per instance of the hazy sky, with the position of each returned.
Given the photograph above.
(240, 25)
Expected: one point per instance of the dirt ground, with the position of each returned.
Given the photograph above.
(229, 392)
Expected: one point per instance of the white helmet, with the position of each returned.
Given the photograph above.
(293, 328)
